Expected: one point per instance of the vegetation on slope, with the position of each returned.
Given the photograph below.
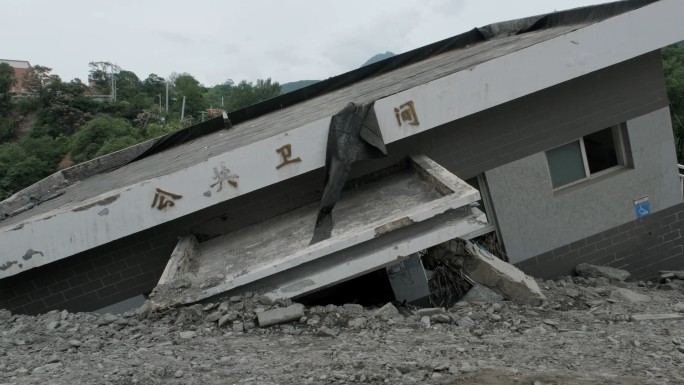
(57, 123)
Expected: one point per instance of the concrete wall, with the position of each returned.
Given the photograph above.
(467, 147)
(642, 247)
(534, 219)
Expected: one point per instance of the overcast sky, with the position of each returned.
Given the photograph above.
(215, 40)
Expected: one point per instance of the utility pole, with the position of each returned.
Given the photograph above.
(183, 110)
(113, 93)
(203, 112)
(167, 97)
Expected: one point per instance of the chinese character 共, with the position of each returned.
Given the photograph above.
(224, 175)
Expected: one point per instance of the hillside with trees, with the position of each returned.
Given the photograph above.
(57, 124)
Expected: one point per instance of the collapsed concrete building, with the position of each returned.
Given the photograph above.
(552, 132)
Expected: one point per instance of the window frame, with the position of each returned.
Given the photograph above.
(619, 142)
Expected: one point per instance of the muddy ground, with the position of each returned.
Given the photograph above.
(584, 334)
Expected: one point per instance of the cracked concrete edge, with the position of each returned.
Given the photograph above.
(37, 192)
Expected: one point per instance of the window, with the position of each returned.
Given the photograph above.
(591, 155)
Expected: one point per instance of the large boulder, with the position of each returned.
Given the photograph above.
(587, 270)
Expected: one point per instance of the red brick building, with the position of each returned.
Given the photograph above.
(20, 68)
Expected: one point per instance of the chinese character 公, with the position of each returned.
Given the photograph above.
(164, 199)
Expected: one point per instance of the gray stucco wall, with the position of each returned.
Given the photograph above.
(534, 219)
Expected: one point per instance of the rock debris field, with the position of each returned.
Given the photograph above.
(589, 331)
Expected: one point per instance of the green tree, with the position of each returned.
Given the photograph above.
(8, 128)
(217, 95)
(64, 108)
(154, 85)
(128, 85)
(115, 144)
(38, 79)
(87, 142)
(6, 78)
(185, 85)
(673, 66)
(246, 94)
(46, 148)
(6, 83)
(19, 169)
(100, 76)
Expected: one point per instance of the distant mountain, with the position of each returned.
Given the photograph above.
(378, 57)
(289, 87)
(292, 86)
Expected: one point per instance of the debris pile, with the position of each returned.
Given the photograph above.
(587, 331)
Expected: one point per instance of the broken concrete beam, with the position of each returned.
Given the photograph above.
(656, 317)
(181, 257)
(280, 315)
(430, 311)
(503, 278)
(594, 271)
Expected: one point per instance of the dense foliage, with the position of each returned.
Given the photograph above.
(673, 65)
(56, 123)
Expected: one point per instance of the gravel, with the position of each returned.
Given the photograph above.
(581, 335)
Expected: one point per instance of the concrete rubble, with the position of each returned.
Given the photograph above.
(495, 274)
(628, 295)
(580, 335)
(280, 315)
(587, 270)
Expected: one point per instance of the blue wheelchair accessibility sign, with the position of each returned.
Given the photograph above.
(642, 207)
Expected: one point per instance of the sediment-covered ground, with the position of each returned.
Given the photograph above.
(584, 334)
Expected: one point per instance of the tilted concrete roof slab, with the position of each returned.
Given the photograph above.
(442, 89)
(376, 224)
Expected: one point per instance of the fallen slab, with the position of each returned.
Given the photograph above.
(503, 278)
(656, 317)
(381, 222)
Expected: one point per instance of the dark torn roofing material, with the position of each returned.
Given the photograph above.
(324, 99)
